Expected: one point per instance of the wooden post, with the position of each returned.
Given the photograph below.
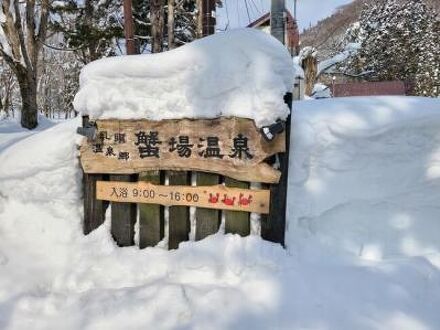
(207, 221)
(237, 222)
(179, 224)
(123, 216)
(151, 216)
(94, 210)
(273, 226)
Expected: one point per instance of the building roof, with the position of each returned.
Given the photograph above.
(266, 19)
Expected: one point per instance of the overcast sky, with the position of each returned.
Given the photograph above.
(235, 13)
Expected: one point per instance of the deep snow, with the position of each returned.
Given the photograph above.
(364, 183)
(243, 73)
(366, 176)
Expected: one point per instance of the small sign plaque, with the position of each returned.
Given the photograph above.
(212, 197)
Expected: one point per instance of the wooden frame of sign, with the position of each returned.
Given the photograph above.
(130, 160)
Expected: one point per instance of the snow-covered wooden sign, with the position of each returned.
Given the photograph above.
(232, 147)
(211, 197)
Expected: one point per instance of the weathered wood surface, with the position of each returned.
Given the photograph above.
(151, 216)
(237, 222)
(109, 152)
(123, 216)
(179, 224)
(207, 220)
(212, 197)
(94, 210)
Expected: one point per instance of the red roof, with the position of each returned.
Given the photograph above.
(369, 88)
(259, 21)
(292, 32)
(266, 17)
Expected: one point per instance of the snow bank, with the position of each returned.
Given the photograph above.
(42, 167)
(365, 177)
(364, 173)
(242, 73)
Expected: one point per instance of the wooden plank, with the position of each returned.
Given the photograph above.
(207, 221)
(235, 148)
(94, 209)
(123, 216)
(238, 222)
(216, 197)
(273, 226)
(179, 224)
(151, 216)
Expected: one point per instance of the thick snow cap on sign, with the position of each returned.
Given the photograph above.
(243, 73)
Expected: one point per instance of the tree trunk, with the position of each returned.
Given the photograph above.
(199, 31)
(310, 66)
(92, 47)
(28, 91)
(157, 25)
(171, 24)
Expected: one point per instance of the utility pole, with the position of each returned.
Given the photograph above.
(129, 28)
(295, 9)
(273, 226)
(277, 20)
(208, 17)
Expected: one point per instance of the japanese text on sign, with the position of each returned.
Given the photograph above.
(214, 197)
(232, 147)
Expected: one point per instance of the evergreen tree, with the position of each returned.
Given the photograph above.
(94, 29)
(91, 27)
(399, 41)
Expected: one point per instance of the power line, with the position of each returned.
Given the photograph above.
(247, 11)
(227, 15)
(238, 13)
(258, 11)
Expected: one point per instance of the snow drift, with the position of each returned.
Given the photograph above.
(363, 218)
(365, 176)
(243, 73)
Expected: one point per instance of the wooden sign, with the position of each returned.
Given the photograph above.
(232, 147)
(212, 197)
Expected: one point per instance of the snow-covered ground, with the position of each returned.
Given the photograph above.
(363, 236)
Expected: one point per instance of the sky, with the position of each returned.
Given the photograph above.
(234, 13)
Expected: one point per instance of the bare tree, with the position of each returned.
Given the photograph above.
(157, 25)
(171, 25)
(199, 32)
(7, 88)
(23, 28)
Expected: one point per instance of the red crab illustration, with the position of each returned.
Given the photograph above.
(244, 201)
(228, 201)
(213, 199)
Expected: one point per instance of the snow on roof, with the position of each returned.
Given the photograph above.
(349, 50)
(243, 73)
